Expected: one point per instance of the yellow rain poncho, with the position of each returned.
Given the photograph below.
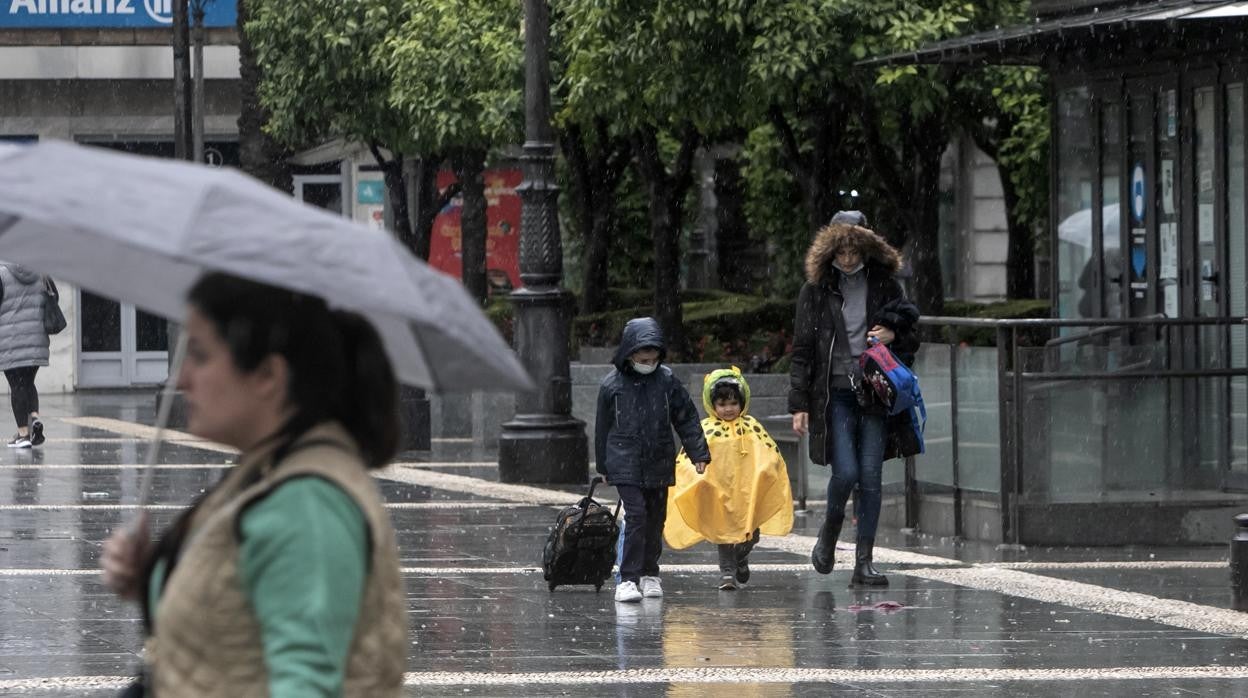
(745, 487)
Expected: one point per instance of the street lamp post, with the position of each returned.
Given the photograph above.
(543, 443)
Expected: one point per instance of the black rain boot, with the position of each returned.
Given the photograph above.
(727, 567)
(864, 572)
(743, 558)
(824, 553)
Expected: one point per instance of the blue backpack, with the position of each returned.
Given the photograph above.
(893, 386)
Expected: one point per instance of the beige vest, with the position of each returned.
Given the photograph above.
(206, 639)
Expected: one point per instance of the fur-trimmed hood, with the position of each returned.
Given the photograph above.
(833, 236)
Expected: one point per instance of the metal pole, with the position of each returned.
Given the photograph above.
(1016, 463)
(543, 443)
(803, 466)
(1003, 427)
(197, 110)
(953, 431)
(181, 82)
(1239, 564)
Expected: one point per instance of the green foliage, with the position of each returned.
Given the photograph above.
(459, 72)
(414, 76)
(1024, 153)
(771, 207)
(320, 79)
(712, 63)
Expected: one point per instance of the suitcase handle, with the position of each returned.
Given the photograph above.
(593, 484)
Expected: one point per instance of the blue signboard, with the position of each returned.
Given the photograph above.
(370, 191)
(107, 14)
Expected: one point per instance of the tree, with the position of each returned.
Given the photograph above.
(320, 81)
(597, 160)
(676, 75)
(458, 67)
(260, 155)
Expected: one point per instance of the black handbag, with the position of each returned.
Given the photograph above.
(53, 318)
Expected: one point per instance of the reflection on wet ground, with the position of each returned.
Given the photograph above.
(483, 623)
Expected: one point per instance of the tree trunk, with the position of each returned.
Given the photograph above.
(915, 195)
(817, 171)
(1020, 259)
(474, 232)
(666, 203)
(259, 155)
(595, 172)
(395, 179)
(733, 238)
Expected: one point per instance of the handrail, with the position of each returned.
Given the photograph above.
(1080, 336)
(1009, 323)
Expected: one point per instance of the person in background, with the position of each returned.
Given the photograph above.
(23, 348)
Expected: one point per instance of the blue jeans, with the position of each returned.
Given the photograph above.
(856, 454)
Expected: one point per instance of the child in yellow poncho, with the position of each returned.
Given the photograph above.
(743, 491)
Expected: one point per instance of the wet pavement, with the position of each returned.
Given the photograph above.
(972, 620)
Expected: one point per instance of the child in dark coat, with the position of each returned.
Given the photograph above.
(639, 403)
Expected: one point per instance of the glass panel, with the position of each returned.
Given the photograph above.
(1111, 218)
(1236, 261)
(101, 323)
(1090, 440)
(327, 196)
(151, 332)
(979, 428)
(936, 464)
(1075, 153)
(1212, 393)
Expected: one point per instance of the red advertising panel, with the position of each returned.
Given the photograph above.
(502, 247)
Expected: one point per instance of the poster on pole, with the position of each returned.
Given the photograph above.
(1169, 266)
(502, 246)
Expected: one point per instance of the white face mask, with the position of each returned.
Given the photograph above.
(644, 369)
(855, 270)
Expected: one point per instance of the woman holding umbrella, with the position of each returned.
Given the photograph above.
(283, 579)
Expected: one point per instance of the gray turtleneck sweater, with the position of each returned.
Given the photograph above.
(846, 350)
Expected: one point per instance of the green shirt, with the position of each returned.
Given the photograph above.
(303, 560)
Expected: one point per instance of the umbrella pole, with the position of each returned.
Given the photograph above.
(162, 419)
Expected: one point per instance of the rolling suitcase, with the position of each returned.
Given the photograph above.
(581, 546)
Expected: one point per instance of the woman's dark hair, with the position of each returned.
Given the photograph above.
(726, 390)
(338, 368)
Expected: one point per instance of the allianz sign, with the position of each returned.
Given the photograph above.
(104, 14)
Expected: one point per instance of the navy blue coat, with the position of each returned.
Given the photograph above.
(633, 442)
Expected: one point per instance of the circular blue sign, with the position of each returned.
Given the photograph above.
(1138, 197)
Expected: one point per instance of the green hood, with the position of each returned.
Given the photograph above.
(724, 374)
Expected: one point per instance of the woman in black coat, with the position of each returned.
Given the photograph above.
(851, 296)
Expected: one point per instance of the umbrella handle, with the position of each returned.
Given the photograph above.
(162, 418)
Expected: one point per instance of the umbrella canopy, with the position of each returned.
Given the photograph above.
(143, 230)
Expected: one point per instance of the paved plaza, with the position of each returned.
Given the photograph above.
(958, 620)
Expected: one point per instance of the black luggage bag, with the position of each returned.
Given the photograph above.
(581, 546)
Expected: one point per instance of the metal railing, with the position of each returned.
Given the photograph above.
(1012, 378)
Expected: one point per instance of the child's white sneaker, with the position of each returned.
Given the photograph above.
(651, 588)
(628, 591)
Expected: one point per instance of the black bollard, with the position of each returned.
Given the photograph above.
(1239, 564)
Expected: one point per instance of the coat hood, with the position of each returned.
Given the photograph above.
(724, 375)
(831, 237)
(22, 274)
(639, 333)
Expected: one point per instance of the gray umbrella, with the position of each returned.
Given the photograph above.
(143, 230)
